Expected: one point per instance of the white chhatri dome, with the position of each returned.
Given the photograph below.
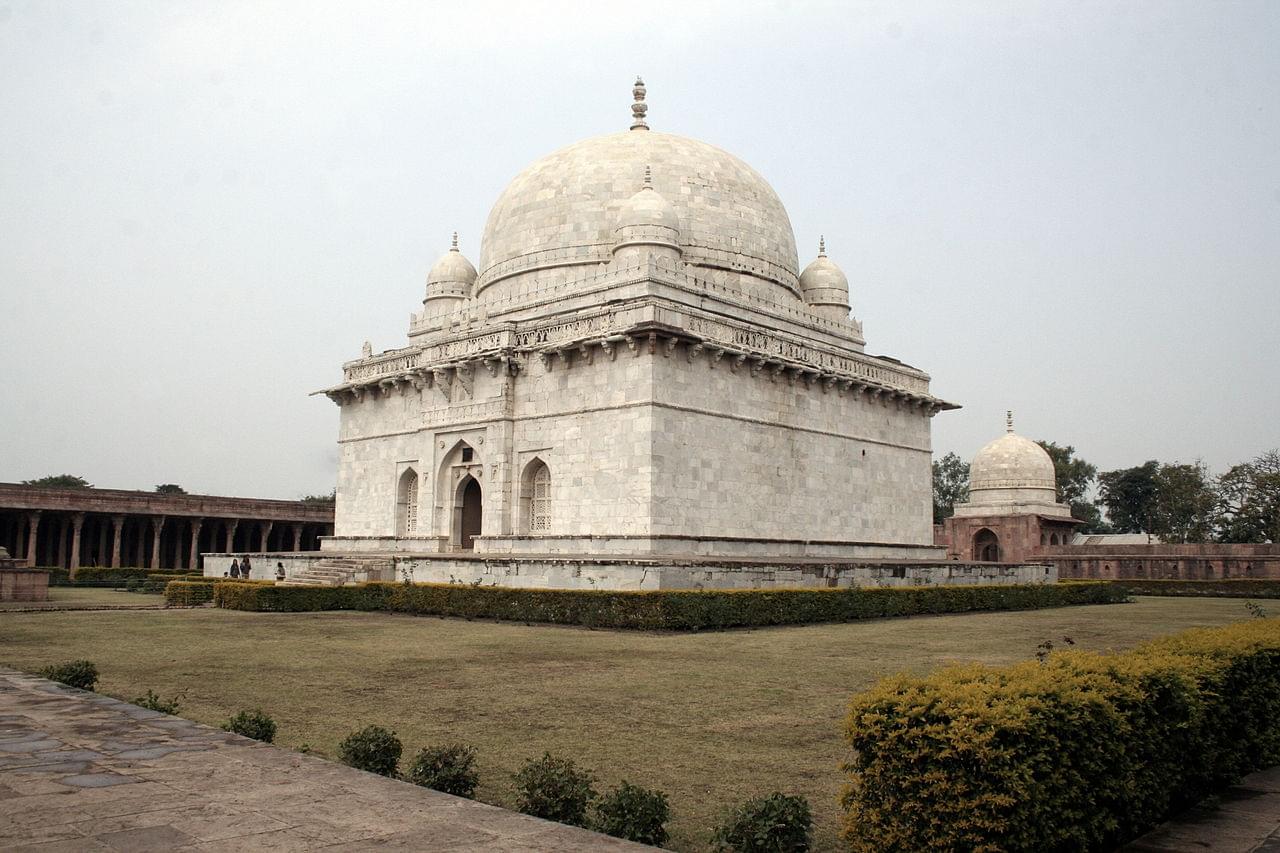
(452, 275)
(1012, 476)
(1011, 462)
(824, 285)
(562, 210)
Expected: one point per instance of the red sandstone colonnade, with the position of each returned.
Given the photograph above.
(71, 528)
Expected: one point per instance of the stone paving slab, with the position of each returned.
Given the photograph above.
(1245, 818)
(80, 771)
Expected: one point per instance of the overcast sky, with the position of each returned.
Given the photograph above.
(1068, 209)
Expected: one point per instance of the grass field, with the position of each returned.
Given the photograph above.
(709, 718)
(86, 597)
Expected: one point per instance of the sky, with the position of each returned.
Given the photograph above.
(1067, 209)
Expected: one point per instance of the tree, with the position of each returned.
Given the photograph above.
(170, 489)
(1074, 477)
(1129, 495)
(950, 485)
(1248, 501)
(60, 481)
(1184, 505)
(320, 499)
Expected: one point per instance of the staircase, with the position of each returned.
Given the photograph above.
(340, 571)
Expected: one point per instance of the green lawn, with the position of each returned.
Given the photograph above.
(709, 718)
(86, 597)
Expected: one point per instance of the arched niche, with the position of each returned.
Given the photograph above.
(535, 497)
(986, 545)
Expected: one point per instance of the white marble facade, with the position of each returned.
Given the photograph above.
(639, 366)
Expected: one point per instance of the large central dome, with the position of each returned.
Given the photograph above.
(562, 211)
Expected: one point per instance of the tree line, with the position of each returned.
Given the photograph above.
(1178, 502)
(74, 481)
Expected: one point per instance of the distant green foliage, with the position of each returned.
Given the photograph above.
(1078, 751)
(450, 769)
(60, 481)
(320, 499)
(1074, 477)
(153, 702)
(634, 813)
(950, 486)
(773, 824)
(666, 610)
(555, 789)
(252, 724)
(170, 489)
(77, 673)
(373, 748)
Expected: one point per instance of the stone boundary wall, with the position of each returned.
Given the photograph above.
(1170, 562)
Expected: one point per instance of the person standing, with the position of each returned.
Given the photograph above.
(244, 568)
(235, 568)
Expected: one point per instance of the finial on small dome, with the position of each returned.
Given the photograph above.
(822, 246)
(639, 108)
(1008, 421)
(454, 247)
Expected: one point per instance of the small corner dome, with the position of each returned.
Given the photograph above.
(823, 274)
(452, 275)
(648, 208)
(1011, 462)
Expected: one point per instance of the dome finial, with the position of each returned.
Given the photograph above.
(454, 247)
(1008, 421)
(639, 108)
(822, 246)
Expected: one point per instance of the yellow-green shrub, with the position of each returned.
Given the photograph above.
(671, 610)
(1081, 752)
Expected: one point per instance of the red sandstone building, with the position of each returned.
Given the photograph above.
(1013, 516)
(71, 528)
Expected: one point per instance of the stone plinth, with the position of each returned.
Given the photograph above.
(23, 584)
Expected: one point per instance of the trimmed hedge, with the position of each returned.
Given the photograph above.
(672, 610)
(1080, 752)
(196, 590)
(1224, 588)
(187, 593)
(98, 574)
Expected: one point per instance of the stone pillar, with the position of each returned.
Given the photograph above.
(266, 533)
(101, 556)
(157, 527)
(60, 550)
(194, 563)
(297, 537)
(231, 534)
(77, 522)
(33, 534)
(117, 528)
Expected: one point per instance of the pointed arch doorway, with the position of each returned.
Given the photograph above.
(469, 512)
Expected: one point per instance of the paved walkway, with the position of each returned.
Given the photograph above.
(1242, 819)
(80, 771)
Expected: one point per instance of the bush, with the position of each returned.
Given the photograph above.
(554, 789)
(77, 673)
(102, 574)
(766, 824)
(1080, 752)
(252, 724)
(634, 813)
(450, 769)
(1224, 588)
(153, 702)
(373, 748)
(190, 593)
(671, 610)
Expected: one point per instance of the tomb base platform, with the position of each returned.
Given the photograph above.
(617, 572)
